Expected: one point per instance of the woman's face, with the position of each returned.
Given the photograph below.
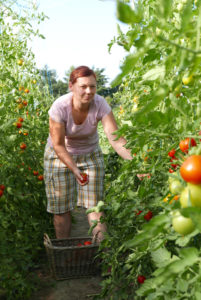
(84, 89)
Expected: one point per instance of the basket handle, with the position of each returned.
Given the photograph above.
(47, 239)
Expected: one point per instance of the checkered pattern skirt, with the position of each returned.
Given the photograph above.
(63, 191)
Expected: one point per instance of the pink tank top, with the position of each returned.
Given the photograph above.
(79, 139)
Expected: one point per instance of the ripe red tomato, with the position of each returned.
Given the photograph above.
(148, 216)
(172, 153)
(79, 245)
(141, 279)
(171, 171)
(184, 144)
(20, 119)
(23, 146)
(87, 243)
(182, 225)
(85, 178)
(2, 187)
(19, 125)
(139, 212)
(25, 103)
(1, 193)
(35, 173)
(191, 169)
(174, 166)
(40, 177)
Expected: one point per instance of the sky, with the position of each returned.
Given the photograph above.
(78, 33)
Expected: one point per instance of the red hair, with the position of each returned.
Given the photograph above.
(81, 71)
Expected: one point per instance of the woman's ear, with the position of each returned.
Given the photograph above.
(70, 85)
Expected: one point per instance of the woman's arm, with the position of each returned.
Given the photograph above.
(57, 133)
(110, 126)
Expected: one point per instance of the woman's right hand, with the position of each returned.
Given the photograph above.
(81, 178)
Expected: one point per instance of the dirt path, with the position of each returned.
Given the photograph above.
(71, 289)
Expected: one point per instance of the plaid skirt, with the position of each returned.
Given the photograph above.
(63, 191)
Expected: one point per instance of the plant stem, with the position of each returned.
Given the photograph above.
(198, 31)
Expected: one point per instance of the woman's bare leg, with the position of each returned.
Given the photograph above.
(62, 225)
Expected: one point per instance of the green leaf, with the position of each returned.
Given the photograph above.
(186, 16)
(149, 230)
(166, 6)
(127, 67)
(184, 240)
(156, 98)
(151, 55)
(188, 257)
(126, 14)
(161, 257)
(182, 285)
(155, 73)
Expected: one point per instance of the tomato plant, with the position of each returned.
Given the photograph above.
(162, 116)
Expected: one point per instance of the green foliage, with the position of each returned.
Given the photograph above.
(155, 110)
(23, 217)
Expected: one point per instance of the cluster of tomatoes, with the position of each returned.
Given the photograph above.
(2, 188)
(36, 173)
(186, 186)
(184, 147)
(148, 216)
(22, 103)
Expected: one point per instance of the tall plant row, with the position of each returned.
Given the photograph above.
(151, 252)
(24, 129)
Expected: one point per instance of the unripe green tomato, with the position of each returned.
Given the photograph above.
(195, 194)
(184, 198)
(175, 187)
(182, 225)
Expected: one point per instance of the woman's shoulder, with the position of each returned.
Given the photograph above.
(63, 101)
(99, 100)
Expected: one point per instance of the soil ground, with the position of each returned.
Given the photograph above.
(71, 289)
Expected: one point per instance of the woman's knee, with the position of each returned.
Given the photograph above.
(62, 218)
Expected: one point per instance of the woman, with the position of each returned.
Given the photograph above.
(73, 149)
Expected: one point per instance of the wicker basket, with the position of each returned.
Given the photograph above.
(67, 260)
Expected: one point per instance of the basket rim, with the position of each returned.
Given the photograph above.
(50, 246)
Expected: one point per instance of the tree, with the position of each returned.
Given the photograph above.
(56, 87)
